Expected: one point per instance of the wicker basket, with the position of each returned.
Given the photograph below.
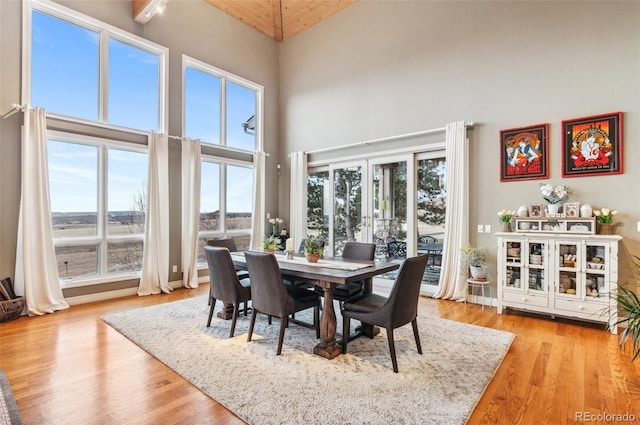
(11, 309)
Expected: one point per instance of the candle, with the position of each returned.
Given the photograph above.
(290, 244)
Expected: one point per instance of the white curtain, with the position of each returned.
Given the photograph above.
(155, 260)
(190, 211)
(298, 207)
(257, 218)
(36, 275)
(453, 277)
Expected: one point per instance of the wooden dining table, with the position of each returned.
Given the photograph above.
(327, 274)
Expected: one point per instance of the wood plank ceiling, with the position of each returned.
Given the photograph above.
(277, 19)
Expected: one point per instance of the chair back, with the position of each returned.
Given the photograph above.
(268, 294)
(222, 273)
(403, 299)
(359, 251)
(228, 243)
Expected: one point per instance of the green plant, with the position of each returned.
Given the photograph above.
(312, 246)
(472, 256)
(270, 242)
(605, 216)
(629, 306)
(506, 215)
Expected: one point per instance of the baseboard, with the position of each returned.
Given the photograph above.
(103, 296)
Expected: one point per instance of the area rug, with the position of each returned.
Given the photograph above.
(9, 414)
(441, 386)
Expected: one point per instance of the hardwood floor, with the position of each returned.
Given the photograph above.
(71, 368)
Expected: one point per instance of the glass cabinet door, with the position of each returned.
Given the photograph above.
(513, 264)
(567, 279)
(596, 269)
(536, 266)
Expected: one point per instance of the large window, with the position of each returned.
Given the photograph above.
(98, 192)
(83, 69)
(224, 112)
(99, 79)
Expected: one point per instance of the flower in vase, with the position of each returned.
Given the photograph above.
(275, 224)
(553, 194)
(505, 216)
(605, 216)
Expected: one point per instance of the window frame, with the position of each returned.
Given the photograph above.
(105, 32)
(102, 238)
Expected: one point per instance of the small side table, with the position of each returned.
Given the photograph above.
(482, 284)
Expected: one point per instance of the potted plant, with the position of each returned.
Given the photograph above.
(629, 314)
(473, 257)
(270, 244)
(312, 250)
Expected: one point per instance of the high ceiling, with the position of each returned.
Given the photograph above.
(278, 19)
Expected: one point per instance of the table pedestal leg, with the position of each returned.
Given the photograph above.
(227, 311)
(327, 346)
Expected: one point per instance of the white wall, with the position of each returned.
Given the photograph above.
(382, 68)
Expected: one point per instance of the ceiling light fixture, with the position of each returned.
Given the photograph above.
(152, 8)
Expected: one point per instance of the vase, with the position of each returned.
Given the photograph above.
(606, 229)
(506, 226)
(313, 258)
(478, 272)
(586, 211)
(553, 209)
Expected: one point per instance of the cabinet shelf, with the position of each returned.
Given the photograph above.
(556, 225)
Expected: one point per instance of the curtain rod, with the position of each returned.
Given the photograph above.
(14, 109)
(387, 139)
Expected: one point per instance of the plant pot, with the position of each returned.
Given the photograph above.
(553, 209)
(606, 229)
(313, 258)
(478, 272)
(506, 226)
(270, 251)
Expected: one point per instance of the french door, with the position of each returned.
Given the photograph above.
(395, 201)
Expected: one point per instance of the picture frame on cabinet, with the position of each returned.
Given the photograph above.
(536, 210)
(571, 209)
(592, 145)
(524, 153)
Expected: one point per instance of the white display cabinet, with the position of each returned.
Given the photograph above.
(556, 225)
(559, 274)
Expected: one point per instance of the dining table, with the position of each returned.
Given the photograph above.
(327, 273)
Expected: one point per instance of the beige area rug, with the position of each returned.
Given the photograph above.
(442, 386)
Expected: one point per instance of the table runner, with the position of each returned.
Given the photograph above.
(330, 264)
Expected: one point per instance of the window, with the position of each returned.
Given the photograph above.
(84, 69)
(220, 108)
(98, 192)
(224, 112)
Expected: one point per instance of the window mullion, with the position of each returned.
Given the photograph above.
(223, 197)
(103, 78)
(223, 111)
(103, 165)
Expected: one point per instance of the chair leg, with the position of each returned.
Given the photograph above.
(251, 323)
(236, 306)
(345, 331)
(269, 319)
(212, 304)
(414, 324)
(392, 350)
(283, 326)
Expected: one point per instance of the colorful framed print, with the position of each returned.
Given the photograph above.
(592, 145)
(524, 153)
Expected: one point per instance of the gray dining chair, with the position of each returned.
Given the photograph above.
(359, 251)
(230, 244)
(272, 297)
(400, 308)
(224, 283)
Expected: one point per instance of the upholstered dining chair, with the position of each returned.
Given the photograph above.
(400, 308)
(272, 297)
(302, 283)
(353, 251)
(225, 285)
(230, 244)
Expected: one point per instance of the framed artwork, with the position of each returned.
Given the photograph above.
(535, 210)
(524, 153)
(572, 209)
(592, 145)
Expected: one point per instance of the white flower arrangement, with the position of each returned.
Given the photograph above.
(553, 194)
(506, 215)
(275, 224)
(605, 216)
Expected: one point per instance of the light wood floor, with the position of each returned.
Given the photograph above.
(71, 368)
